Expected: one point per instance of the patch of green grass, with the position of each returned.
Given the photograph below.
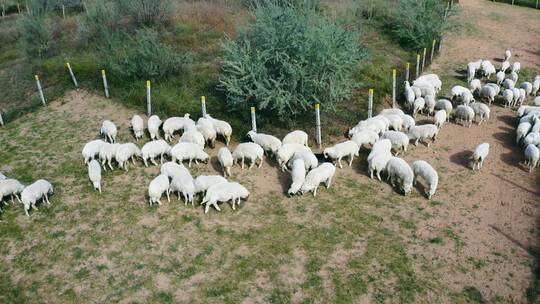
(436, 240)
(459, 243)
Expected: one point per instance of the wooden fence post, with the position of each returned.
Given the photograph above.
(40, 90)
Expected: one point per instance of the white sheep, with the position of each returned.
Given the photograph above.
(417, 92)
(516, 93)
(425, 170)
(514, 77)
(399, 140)
(508, 97)
(188, 151)
(377, 124)
(137, 126)
(432, 79)
(507, 55)
(500, 77)
(522, 96)
(229, 191)
(287, 151)
(395, 121)
(153, 127)
(536, 101)
(225, 160)
(157, 187)
(193, 136)
(440, 118)
(172, 169)
(489, 93)
(267, 142)
(337, 152)
(203, 182)
(183, 184)
(527, 86)
(445, 104)
(206, 127)
(509, 84)
(298, 176)
(409, 94)
(2, 176)
(365, 138)
(174, 124)
(322, 174)
(488, 68)
(495, 87)
(107, 153)
(222, 128)
(392, 111)
(400, 174)
(471, 72)
(535, 86)
(296, 137)
(531, 138)
(91, 149)
(524, 110)
(423, 133)
(109, 130)
(425, 89)
(125, 152)
(153, 149)
(532, 155)
(522, 130)
(377, 163)
(310, 160)
(249, 150)
(94, 173)
(418, 106)
(381, 146)
(408, 122)
(475, 85)
(505, 65)
(479, 155)
(460, 93)
(40, 189)
(516, 67)
(430, 104)
(11, 187)
(481, 111)
(464, 113)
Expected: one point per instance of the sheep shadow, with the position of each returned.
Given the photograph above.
(461, 158)
(214, 162)
(498, 59)
(506, 137)
(422, 189)
(507, 119)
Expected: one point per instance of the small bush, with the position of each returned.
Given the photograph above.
(36, 36)
(148, 13)
(95, 24)
(287, 60)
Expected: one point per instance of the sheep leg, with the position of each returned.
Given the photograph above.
(229, 171)
(161, 159)
(328, 182)
(371, 173)
(261, 161)
(242, 163)
(109, 162)
(379, 175)
(47, 199)
(416, 142)
(153, 161)
(189, 164)
(133, 160)
(145, 162)
(252, 162)
(34, 206)
(168, 196)
(26, 211)
(351, 159)
(216, 206)
(227, 140)
(315, 190)
(339, 162)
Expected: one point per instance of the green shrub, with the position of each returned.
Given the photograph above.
(94, 26)
(417, 22)
(287, 60)
(36, 36)
(147, 13)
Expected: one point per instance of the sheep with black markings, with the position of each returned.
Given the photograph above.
(251, 151)
(125, 152)
(225, 160)
(423, 169)
(94, 173)
(153, 127)
(479, 155)
(464, 113)
(267, 142)
(296, 137)
(322, 174)
(400, 174)
(532, 155)
(188, 151)
(157, 187)
(298, 175)
(137, 126)
(423, 133)
(91, 149)
(153, 149)
(109, 131)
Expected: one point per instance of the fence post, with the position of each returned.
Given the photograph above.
(40, 90)
(370, 104)
(72, 75)
(148, 98)
(105, 85)
(432, 50)
(423, 60)
(203, 105)
(18, 8)
(417, 65)
(536, 4)
(1, 119)
(318, 124)
(440, 45)
(407, 70)
(394, 104)
(63, 11)
(253, 120)
(3, 10)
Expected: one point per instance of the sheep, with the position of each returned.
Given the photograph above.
(267, 142)
(425, 89)
(109, 131)
(153, 127)
(137, 126)
(323, 173)
(481, 111)
(516, 66)
(206, 127)
(230, 191)
(488, 68)
(464, 113)
(188, 151)
(287, 151)
(11, 187)
(430, 104)
(444, 104)
(524, 110)
(509, 84)
(531, 138)
(507, 55)
(535, 86)
(203, 182)
(522, 130)
(504, 66)
(522, 96)
(489, 93)
(310, 160)
(527, 86)
(440, 118)
(157, 187)
(222, 128)
(475, 64)
(536, 101)
(338, 151)
(377, 124)
(377, 163)
(172, 169)
(298, 176)
(532, 155)
(174, 124)
(409, 94)
(461, 94)
(535, 124)
(249, 150)
(91, 148)
(395, 121)
(508, 97)
(94, 173)
(423, 132)
(514, 77)
(365, 138)
(425, 170)
(417, 92)
(408, 122)
(400, 141)
(225, 160)
(107, 153)
(392, 111)
(2, 176)
(431, 79)
(297, 136)
(183, 183)
(400, 174)
(34, 192)
(479, 155)
(381, 146)
(500, 77)
(194, 137)
(125, 152)
(154, 148)
(475, 85)
(471, 71)
(516, 93)
(418, 106)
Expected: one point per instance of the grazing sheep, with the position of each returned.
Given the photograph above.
(183, 184)
(471, 72)
(488, 68)
(381, 146)
(203, 182)
(461, 94)
(475, 85)
(337, 152)
(432, 79)
(172, 169)
(157, 187)
(522, 130)
(322, 174)
(514, 77)
(489, 93)
(399, 140)
(94, 173)
(507, 55)
(517, 96)
(504, 66)
(409, 94)
(527, 86)
(423, 133)
(2, 176)
(107, 153)
(516, 66)
(425, 170)
(524, 110)
(536, 101)
(444, 104)
(430, 104)
(154, 148)
(418, 106)
(408, 122)
(464, 113)
(40, 189)
(481, 111)
(425, 89)
(535, 123)
(508, 97)
(153, 126)
(109, 130)
(206, 127)
(531, 138)
(222, 128)
(395, 121)
(535, 86)
(125, 152)
(267, 142)
(174, 124)
(11, 187)
(500, 77)
(377, 124)
(251, 151)
(298, 176)
(91, 148)
(188, 151)
(479, 155)
(522, 96)
(193, 136)
(440, 118)
(392, 111)
(310, 160)
(229, 191)
(365, 138)
(137, 126)
(377, 163)
(532, 155)
(296, 137)
(225, 160)
(287, 151)
(509, 84)
(400, 174)
(495, 87)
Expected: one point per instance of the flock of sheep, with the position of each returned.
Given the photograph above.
(387, 134)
